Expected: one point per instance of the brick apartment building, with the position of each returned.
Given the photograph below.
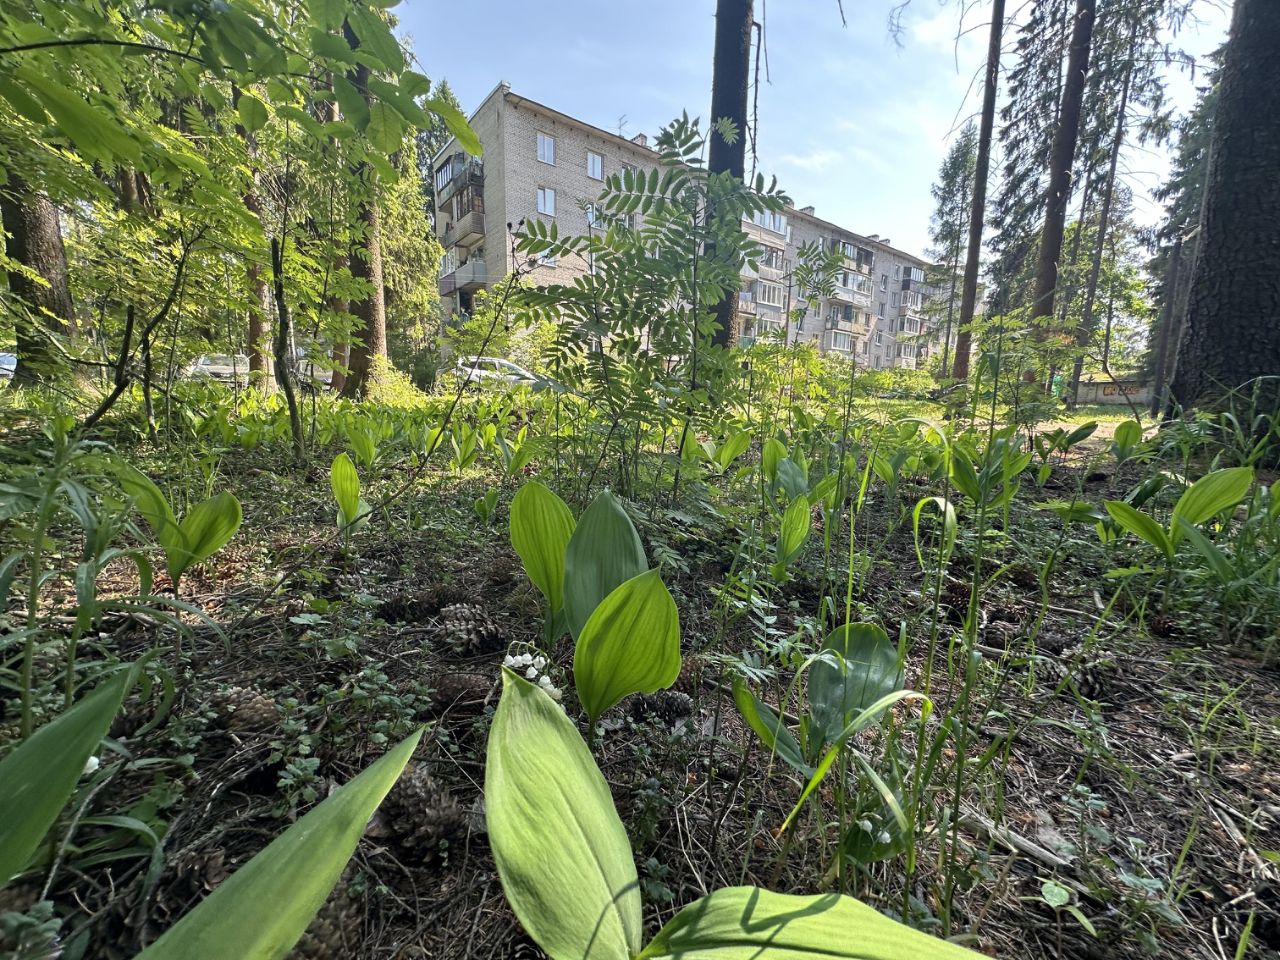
(539, 162)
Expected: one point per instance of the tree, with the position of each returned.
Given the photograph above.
(431, 139)
(728, 133)
(981, 174)
(37, 266)
(953, 194)
(1232, 335)
(1061, 160)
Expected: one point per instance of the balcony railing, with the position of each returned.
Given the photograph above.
(466, 230)
(470, 276)
(465, 170)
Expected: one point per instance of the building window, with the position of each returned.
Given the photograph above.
(547, 148)
(880, 309)
(770, 293)
(772, 258)
(548, 260)
(842, 342)
(879, 337)
(777, 222)
(443, 175)
(547, 201)
(593, 215)
(595, 166)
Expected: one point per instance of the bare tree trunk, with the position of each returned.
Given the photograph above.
(977, 215)
(34, 240)
(370, 347)
(1085, 332)
(1232, 335)
(1165, 336)
(1061, 158)
(284, 337)
(730, 69)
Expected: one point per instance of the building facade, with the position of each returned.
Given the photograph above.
(539, 162)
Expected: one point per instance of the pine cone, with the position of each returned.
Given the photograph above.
(462, 694)
(423, 817)
(243, 709)
(337, 929)
(1089, 673)
(469, 631)
(690, 680)
(417, 605)
(665, 706)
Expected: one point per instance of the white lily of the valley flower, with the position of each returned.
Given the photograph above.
(509, 661)
(884, 837)
(540, 662)
(866, 825)
(91, 766)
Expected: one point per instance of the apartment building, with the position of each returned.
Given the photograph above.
(539, 162)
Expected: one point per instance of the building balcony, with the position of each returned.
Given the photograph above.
(472, 275)
(465, 231)
(461, 171)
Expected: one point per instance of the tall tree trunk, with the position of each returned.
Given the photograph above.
(370, 348)
(1232, 335)
(729, 73)
(1085, 332)
(1061, 158)
(977, 214)
(259, 297)
(34, 239)
(1168, 315)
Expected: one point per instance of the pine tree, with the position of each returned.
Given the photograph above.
(949, 232)
(430, 140)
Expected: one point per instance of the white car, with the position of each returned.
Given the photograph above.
(8, 364)
(225, 368)
(492, 371)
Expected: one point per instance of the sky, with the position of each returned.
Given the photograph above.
(853, 120)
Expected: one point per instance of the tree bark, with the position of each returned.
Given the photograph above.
(370, 347)
(34, 239)
(977, 215)
(259, 298)
(1232, 335)
(729, 72)
(1061, 158)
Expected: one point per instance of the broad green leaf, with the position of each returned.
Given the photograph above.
(1213, 555)
(794, 529)
(385, 129)
(629, 644)
(1211, 495)
(205, 530)
(355, 109)
(771, 730)
(770, 455)
(264, 907)
(345, 483)
(562, 853)
(151, 503)
(1055, 894)
(96, 132)
(1127, 436)
(541, 525)
(603, 553)
(376, 37)
(859, 667)
(1140, 525)
(748, 923)
(39, 776)
(790, 478)
(734, 446)
(456, 124)
(963, 476)
(329, 13)
(252, 111)
(950, 527)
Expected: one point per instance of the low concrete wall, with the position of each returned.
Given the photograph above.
(1120, 392)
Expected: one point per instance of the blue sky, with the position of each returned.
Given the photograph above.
(851, 121)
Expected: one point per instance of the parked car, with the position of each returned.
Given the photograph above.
(225, 368)
(492, 371)
(8, 364)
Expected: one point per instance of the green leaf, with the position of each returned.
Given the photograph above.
(734, 446)
(1211, 495)
(252, 111)
(354, 107)
(794, 529)
(456, 124)
(963, 476)
(264, 907)
(329, 14)
(1127, 436)
(770, 455)
(151, 503)
(629, 644)
(95, 132)
(1217, 560)
(541, 526)
(205, 530)
(39, 776)
(562, 853)
(603, 553)
(860, 667)
(1055, 894)
(1140, 525)
(345, 483)
(385, 130)
(376, 37)
(772, 731)
(791, 479)
(748, 923)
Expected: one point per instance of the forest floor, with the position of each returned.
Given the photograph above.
(1155, 801)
